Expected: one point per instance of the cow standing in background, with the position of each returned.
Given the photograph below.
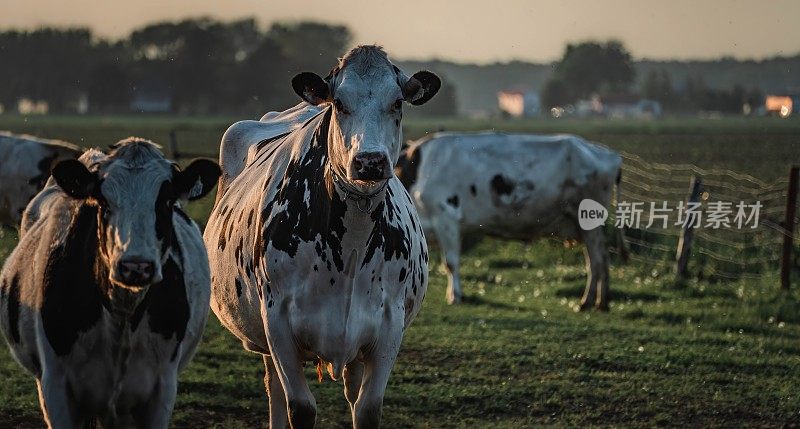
(315, 247)
(25, 163)
(106, 295)
(510, 186)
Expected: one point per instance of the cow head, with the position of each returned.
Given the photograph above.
(366, 92)
(135, 189)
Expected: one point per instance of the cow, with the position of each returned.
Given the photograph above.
(512, 186)
(105, 297)
(25, 163)
(316, 250)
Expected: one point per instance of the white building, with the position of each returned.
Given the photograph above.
(519, 104)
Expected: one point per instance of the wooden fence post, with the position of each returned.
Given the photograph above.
(788, 229)
(685, 242)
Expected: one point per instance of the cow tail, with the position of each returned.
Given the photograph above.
(622, 246)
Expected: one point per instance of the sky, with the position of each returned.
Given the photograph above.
(472, 31)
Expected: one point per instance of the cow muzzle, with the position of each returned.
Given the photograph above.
(370, 166)
(136, 272)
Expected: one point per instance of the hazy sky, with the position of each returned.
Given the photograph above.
(474, 31)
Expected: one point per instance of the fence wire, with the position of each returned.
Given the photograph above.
(725, 253)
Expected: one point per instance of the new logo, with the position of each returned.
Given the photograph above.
(591, 214)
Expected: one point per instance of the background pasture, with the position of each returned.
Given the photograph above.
(693, 353)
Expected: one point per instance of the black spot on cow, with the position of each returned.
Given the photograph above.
(238, 252)
(407, 166)
(44, 166)
(321, 218)
(165, 201)
(183, 215)
(223, 234)
(250, 217)
(13, 307)
(333, 281)
(473, 190)
(453, 201)
(402, 274)
(238, 284)
(501, 185)
(316, 268)
(386, 236)
(74, 283)
(264, 143)
(166, 305)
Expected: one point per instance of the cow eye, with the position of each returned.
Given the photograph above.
(398, 104)
(337, 103)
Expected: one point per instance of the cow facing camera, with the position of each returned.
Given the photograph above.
(591, 214)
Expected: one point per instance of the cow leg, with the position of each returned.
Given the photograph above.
(278, 419)
(377, 367)
(596, 255)
(57, 407)
(449, 235)
(590, 292)
(157, 412)
(300, 403)
(353, 375)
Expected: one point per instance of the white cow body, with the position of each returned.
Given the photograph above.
(316, 250)
(25, 163)
(514, 186)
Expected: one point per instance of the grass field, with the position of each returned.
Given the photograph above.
(516, 354)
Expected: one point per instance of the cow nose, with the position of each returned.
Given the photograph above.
(136, 272)
(370, 166)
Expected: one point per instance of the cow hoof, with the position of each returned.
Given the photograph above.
(602, 307)
(302, 414)
(454, 300)
(585, 306)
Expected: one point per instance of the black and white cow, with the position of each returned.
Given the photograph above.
(106, 295)
(316, 250)
(25, 163)
(511, 186)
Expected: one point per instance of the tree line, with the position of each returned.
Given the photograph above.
(590, 68)
(202, 65)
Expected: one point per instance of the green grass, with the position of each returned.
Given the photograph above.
(516, 354)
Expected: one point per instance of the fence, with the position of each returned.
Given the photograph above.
(725, 252)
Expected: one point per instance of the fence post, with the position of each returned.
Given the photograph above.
(788, 229)
(173, 145)
(685, 242)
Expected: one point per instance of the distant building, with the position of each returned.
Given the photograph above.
(27, 106)
(618, 106)
(519, 104)
(782, 105)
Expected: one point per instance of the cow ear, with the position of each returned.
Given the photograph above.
(197, 179)
(421, 87)
(311, 88)
(75, 179)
